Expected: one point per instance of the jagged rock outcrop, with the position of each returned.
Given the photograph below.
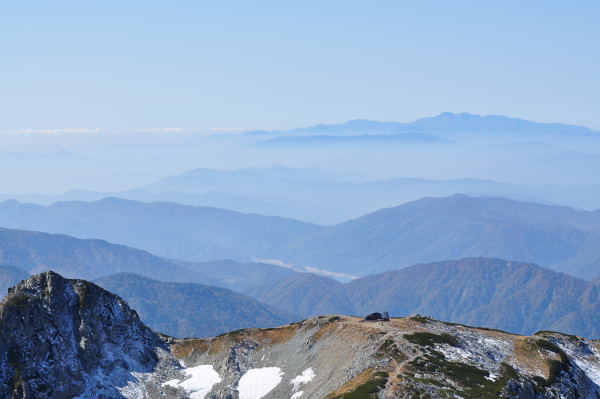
(63, 338)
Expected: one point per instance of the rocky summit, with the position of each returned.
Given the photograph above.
(62, 338)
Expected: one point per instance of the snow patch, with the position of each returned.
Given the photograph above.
(297, 395)
(591, 369)
(304, 378)
(453, 353)
(200, 382)
(256, 383)
(482, 351)
(586, 362)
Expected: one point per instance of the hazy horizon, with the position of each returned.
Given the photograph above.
(113, 96)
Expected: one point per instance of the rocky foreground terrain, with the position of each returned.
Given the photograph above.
(63, 338)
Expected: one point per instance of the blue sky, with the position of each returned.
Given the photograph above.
(277, 64)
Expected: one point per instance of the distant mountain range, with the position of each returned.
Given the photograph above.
(511, 296)
(165, 229)
(444, 122)
(316, 195)
(34, 252)
(431, 229)
(462, 128)
(478, 291)
(322, 198)
(192, 310)
(238, 276)
(484, 147)
(467, 122)
(27, 252)
(435, 229)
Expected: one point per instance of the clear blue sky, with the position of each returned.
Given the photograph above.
(271, 64)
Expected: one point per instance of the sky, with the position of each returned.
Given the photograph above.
(282, 64)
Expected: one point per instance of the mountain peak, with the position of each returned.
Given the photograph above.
(468, 122)
(459, 115)
(38, 283)
(71, 338)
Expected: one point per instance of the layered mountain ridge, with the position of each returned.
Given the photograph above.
(437, 229)
(427, 230)
(34, 252)
(28, 252)
(476, 291)
(441, 123)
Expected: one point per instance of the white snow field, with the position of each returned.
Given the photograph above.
(256, 383)
(202, 378)
(304, 378)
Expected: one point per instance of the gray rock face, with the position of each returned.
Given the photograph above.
(63, 338)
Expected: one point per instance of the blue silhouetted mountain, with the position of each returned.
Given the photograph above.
(427, 230)
(444, 122)
(92, 258)
(34, 252)
(436, 229)
(165, 229)
(327, 198)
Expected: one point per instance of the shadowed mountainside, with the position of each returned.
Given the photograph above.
(192, 310)
(70, 338)
(308, 294)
